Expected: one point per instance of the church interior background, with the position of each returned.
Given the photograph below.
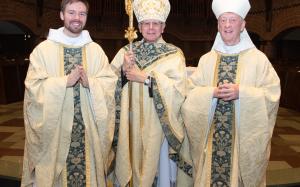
(274, 26)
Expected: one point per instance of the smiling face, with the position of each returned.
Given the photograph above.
(151, 29)
(74, 17)
(230, 25)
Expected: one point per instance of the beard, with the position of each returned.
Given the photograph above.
(75, 29)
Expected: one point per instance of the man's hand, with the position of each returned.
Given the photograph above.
(135, 74)
(73, 77)
(227, 92)
(129, 61)
(83, 78)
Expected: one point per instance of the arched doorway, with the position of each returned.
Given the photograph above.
(16, 42)
(288, 46)
(15, 39)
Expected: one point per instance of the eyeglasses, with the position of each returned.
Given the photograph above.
(154, 24)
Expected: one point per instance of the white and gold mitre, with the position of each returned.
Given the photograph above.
(239, 7)
(151, 9)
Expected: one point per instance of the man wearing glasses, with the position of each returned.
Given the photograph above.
(150, 135)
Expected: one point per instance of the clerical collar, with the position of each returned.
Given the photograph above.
(244, 44)
(59, 36)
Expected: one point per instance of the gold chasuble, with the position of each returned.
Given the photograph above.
(230, 140)
(69, 130)
(146, 116)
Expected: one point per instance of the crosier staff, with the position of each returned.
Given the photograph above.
(130, 33)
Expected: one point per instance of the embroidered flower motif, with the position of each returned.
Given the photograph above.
(159, 106)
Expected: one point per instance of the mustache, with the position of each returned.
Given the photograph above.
(76, 21)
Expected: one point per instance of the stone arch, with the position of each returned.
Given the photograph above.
(26, 15)
(287, 19)
(21, 23)
(18, 25)
(287, 31)
(16, 37)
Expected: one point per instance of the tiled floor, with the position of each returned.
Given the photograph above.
(284, 165)
(12, 137)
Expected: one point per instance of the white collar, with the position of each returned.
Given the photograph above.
(59, 36)
(244, 44)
